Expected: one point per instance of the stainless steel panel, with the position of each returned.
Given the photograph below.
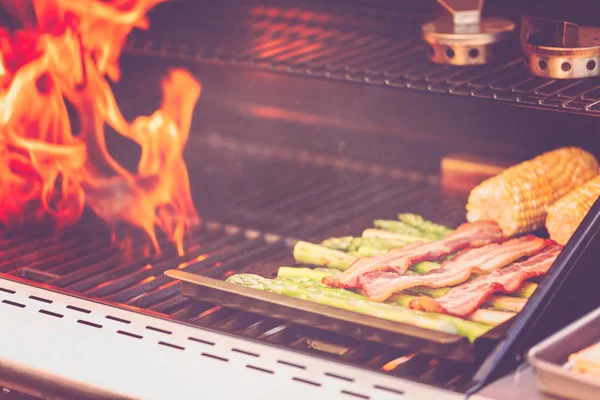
(61, 346)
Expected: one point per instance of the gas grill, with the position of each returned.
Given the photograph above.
(315, 119)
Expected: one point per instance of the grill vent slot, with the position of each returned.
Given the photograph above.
(133, 335)
(13, 303)
(245, 352)
(151, 328)
(268, 371)
(7, 290)
(289, 364)
(50, 313)
(174, 346)
(215, 357)
(40, 299)
(82, 310)
(124, 321)
(358, 395)
(306, 381)
(387, 389)
(193, 339)
(88, 323)
(339, 377)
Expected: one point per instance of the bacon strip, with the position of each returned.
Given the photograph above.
(480, 260)
(465, 299)
(475, 234)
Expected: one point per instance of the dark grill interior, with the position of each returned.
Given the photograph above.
(362, 44)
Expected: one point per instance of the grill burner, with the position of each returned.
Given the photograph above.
(462, 37)
(560, 49)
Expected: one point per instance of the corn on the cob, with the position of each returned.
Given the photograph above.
(566, 214)
(518, 198)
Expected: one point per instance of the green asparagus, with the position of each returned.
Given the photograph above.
(391, 235)
(484, 316)
(424, 266)
(383, 234)
(414, 225)
(400, 227)
(526, 290)
(307, 273)
(507, 303)
(314, 254)
(344, 299)
(416, 221)
(329, 271)
(498, 302)
(363, 247)
(344, 243)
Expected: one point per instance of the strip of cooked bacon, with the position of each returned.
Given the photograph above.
(452, 272)
(465, 299)
(475, 234)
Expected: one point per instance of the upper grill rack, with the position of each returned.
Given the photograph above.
(361, 45)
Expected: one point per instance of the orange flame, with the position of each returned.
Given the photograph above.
(66, 49)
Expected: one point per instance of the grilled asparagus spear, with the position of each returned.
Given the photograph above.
(354, 245)
(389, 235)
(428, 227)
(321, 256)
(344, 299)
(344, 243)
(400, 227)
(314, 254)
(515, 302)
(309, 276)
(414, 225)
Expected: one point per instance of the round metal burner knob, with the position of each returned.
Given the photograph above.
(470, 44)
(559, 49)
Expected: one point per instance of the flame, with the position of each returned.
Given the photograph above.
(64, 52)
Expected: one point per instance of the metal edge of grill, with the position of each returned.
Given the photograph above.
(140, 356)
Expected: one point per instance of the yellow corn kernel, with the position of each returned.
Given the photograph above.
(566, 214)
(517, 199)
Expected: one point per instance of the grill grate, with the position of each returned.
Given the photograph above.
(335, 198)
(363, 45)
